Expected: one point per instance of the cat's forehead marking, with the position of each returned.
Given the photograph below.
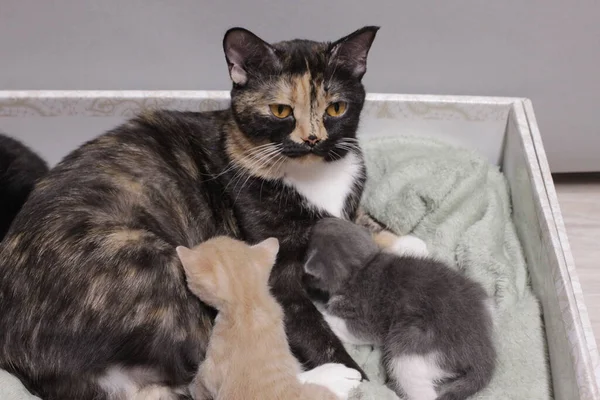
(309, 101)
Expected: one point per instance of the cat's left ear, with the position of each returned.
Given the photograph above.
(350, 52)
(268, 249)
(246, 54)
(185, 255)
(310, 268)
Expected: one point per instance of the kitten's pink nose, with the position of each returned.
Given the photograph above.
(312, 140)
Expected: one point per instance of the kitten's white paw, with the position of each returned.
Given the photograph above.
(409, 245)
(336, 377)
(156, 392)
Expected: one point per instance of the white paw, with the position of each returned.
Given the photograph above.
(409, 245)
(336, 377)
(156, 392)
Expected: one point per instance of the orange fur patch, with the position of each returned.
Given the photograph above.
(385, 239)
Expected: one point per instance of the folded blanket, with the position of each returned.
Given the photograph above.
(459, 205)
(455, 201)
(11, 388)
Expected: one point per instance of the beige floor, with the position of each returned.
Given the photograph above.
(580, 204)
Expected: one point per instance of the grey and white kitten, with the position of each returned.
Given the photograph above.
(433, 323)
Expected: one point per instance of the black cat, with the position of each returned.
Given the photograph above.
(20, 169)
(94, 299)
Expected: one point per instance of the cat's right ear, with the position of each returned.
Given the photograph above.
(246, 53)
(350, 52)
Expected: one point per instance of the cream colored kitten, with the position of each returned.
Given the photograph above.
(248, 356)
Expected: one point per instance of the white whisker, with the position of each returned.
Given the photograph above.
(254, 159)
(265, 161)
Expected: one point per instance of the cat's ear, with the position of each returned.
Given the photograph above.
(350, 52)
(192, 261)
(185, 255)
(199, 274)
(310, 267)
(246, 53)
(268, 250)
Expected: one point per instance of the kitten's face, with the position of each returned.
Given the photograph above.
(299, 99)
(224, 271)
(337, 249)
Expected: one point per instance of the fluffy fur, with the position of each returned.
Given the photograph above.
(248, 357)
(433, 323)
(90, 284)
(20, 169)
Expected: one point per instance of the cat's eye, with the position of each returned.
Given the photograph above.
(280, 110)
(336, 109)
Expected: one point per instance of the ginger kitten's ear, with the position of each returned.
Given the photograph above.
(246, 54)
(350, 52)
(185, 255)
(267, 249)
(198, 272)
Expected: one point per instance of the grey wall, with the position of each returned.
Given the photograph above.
(548, 50)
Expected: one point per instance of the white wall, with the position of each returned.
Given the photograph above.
(548, 50)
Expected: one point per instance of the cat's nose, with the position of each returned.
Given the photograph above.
(312, 140)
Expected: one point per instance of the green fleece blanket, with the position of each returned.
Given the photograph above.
(457, 203)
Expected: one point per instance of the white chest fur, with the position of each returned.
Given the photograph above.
(325, 186)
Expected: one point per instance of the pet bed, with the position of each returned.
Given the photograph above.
(459, 205)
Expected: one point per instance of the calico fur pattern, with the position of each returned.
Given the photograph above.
(90, 284)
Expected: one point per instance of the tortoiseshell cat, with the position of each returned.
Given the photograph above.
(248, 357)
(94, 300)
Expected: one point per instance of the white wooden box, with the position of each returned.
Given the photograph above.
(503, 129)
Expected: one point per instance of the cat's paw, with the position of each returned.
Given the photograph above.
(156, 392)
(409, 245)
(338, 378)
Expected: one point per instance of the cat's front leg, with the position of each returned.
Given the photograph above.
(407, 245)
(338, 378)
(311, 339)
(366, 220)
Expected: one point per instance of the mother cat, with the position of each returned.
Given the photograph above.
(93, 298)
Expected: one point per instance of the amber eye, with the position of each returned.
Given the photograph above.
(280, 110)
(336, 109)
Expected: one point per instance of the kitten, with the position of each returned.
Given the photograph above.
(20, 169)
(103, 225)
(248, 356)
(433, 323)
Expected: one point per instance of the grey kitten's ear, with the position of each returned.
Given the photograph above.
(310, 267)
(350, 52)
(244, 51)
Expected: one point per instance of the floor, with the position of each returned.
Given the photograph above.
(579, 199)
